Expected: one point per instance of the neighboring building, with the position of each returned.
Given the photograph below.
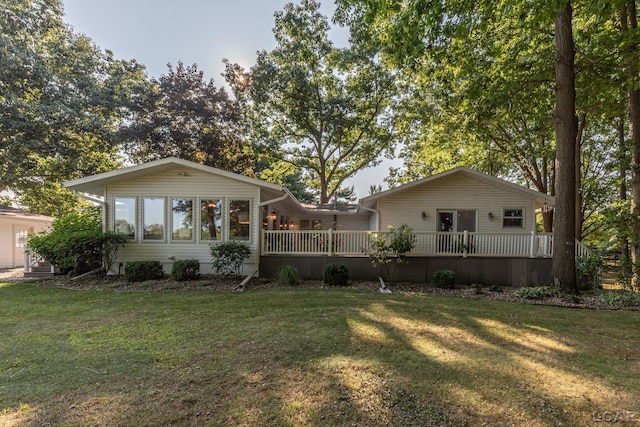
(15, 228)
(174, 209)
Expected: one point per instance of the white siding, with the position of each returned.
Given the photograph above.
(453, 193)
(6, 244)
(10, 255)
(174, 184)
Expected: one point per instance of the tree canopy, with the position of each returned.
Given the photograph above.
(62, 99)
(325, 110)
(187, 117)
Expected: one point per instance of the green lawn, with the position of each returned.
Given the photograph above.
(324, 357)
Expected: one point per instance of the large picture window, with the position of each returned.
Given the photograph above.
(513, 218)
(124, 216)
(210, 219)
(181, 219)
(239, 224)
(153, 218)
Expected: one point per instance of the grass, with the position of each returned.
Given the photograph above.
(289, 357)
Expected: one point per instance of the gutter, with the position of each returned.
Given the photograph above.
(374, 211)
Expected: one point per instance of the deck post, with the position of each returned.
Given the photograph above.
(465, 243)
(330, 248)
(532, 249)
(261, 245)
(27, 259)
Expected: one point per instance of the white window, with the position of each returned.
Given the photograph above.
(22, 237)
(210, 219)
(153, 218)
(182, 219)
(310, 224)
(239, 215)
(513, 218)
(124, 216)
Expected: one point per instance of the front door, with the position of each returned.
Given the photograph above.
(466, 220)
(446, 221)
(460, 221)
(21, 236)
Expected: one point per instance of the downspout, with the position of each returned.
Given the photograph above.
(377, 216)
(103, 206)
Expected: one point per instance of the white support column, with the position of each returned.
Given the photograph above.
(465, 243)
(532, 249)
(330, 248)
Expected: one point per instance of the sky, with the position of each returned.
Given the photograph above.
(158, 32)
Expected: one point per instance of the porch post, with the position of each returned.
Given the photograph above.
(532, 249)
(465, 243)
(261, 243)
(330, 248)
(27, 260)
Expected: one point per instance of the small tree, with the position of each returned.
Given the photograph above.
(76, 243)
(388, 249)
(228, 257)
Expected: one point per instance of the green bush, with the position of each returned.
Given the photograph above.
(444, 279)
(335, 274)
(76, 244)
(621, 299)
(228, 257)
(537, 292)
(388, 250)
(185, 269)
(287, 275)
(141, 271)
(590, 271)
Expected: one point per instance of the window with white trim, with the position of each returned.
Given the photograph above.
(239, 219)
(182, 219)
(124, 216)
(153, 218)
(210, 219)
(513, 218)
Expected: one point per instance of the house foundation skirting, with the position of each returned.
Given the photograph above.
(515, 272)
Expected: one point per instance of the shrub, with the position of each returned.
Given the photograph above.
(590, 270)
(620, 299)
(76, 244)
(444, 279)
(388, 249)
(141, 271)
(228, 257)
(335, 274)
(185, 269)
(537, 292)
(287, 275)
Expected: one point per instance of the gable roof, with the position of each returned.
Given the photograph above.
(8, 212)
(94, 184)
(539, 198)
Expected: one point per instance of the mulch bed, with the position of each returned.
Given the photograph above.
(587, 300)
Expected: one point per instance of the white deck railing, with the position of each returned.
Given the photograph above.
(464, 244)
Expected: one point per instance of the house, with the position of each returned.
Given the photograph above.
(15, 228)
(463, 219)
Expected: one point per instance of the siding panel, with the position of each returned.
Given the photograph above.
(174, 183)
(453, 193)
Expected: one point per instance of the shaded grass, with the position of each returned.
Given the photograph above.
(308, 357)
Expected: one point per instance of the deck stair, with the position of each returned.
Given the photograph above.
(41, 269)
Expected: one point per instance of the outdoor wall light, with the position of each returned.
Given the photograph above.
(424, 216)
(490, 216)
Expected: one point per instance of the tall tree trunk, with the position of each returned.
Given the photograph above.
(564, 263)
(624, 241)
(631, 24)
(582, 121)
